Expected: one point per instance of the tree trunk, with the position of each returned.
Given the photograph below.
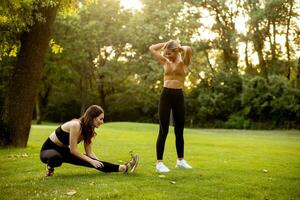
(298, 74)
(83, 95)
(287, 42)
(38, 111)
(102, 93)
(258, 46)
(274, 41)
(23, 87)
(230, 59)
(246, 55)
(249, 67)
(272, 38)
(208, 61)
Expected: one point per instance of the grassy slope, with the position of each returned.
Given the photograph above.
(228, 164)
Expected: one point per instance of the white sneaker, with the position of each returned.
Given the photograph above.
(183, 164)
(161, 168)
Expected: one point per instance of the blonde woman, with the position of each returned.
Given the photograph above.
(175, 60)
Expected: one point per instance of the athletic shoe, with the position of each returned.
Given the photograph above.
(132, 164)
(49, 171)
(161, 168)
(182, 164)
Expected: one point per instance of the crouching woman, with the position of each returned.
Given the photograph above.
(61, 145)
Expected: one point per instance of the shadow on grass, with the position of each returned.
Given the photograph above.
(87, 176)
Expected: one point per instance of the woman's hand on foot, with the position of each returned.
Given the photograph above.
(97, 164)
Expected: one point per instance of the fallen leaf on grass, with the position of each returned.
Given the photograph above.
(24, 155)
(92, 183)
(71, 192)
(173, 182)
(264, 170)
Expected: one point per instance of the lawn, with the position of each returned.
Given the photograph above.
(227, 164)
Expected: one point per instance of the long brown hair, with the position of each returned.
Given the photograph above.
(87, 122)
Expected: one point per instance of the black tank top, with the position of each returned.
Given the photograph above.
(63, 136)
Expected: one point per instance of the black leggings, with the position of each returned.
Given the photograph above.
(54, 155)
(170, 99)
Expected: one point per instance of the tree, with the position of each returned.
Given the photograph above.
(225, 27)
(257, 32)
(22, 90)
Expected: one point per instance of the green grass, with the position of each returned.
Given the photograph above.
(227, 164)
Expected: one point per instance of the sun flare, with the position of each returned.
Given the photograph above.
(131, 4)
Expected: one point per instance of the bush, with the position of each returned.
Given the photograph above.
(237, 121)
(260, 104)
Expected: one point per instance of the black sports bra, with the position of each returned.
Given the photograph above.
(63, 136)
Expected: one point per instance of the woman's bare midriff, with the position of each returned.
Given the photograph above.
(174, 84)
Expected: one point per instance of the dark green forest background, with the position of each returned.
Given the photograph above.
(99, 55)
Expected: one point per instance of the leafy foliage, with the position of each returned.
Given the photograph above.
(99, 55)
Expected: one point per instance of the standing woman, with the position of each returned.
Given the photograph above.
(175, 69)
(61, 145)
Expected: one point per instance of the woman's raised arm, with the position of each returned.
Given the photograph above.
(155, 51)
(187, 54)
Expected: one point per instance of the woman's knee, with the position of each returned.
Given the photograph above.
(52, 157)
